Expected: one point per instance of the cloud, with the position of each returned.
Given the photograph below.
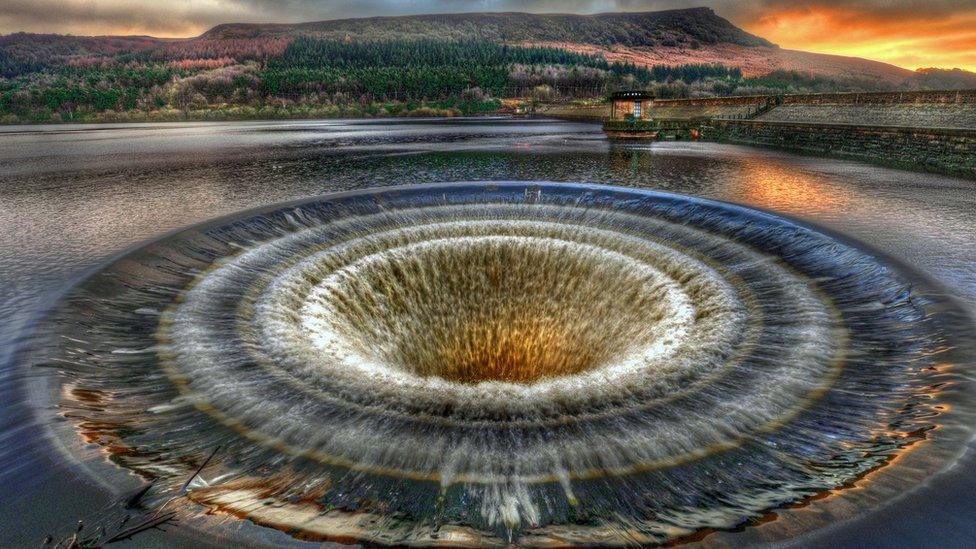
(169, 17)
(906, 32)
(158, 18)
(901, 33)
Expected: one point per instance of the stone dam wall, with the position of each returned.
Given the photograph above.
(948, 109)
(728, 108)
(927, 116)
(926, 130)
(939, 150)
(928, 109)
(919, 130)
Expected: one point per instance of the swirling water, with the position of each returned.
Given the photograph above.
(71, 199)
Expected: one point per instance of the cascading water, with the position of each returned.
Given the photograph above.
(491, 362)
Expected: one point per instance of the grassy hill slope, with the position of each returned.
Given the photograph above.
(459, 64)
(661, 28)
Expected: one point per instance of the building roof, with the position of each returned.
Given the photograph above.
(633, 95)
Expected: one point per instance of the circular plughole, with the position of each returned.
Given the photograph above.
(531, 363)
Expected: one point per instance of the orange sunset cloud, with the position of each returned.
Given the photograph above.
(946, 40)
(908, 33)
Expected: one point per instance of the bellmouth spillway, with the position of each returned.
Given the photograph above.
(482, 363)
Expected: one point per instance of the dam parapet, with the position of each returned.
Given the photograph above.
(724, 108)
(948, 109)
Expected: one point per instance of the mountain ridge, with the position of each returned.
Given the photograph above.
(644, 28)
(667, 37)
(644, 38)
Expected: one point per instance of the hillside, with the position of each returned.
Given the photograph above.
(447, 64)
(672, 37)
(687, 27)
(754, 61)
(944, 79)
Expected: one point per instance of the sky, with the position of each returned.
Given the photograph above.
(908, 33)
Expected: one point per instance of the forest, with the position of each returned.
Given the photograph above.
(315, 77)
(427, 69)
(131, 80)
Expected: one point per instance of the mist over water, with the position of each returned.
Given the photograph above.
(71, 199)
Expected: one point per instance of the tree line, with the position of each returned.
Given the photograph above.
(311, 74)
(430, 69)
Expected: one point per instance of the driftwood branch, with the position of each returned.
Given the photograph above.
(199, 469)
(150, 521)
(147, 524)
(135, 498)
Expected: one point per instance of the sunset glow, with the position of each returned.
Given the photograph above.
(947, 41)
(907, 33)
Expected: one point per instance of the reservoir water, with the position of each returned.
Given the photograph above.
(73, 197)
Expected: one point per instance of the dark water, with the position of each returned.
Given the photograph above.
(70, 197)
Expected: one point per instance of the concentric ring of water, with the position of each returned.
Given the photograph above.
(481, 363)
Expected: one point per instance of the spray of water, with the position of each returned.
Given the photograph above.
(491, 363)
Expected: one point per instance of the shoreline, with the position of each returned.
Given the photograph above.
(512, 106)
(267, 119)
(432, 113)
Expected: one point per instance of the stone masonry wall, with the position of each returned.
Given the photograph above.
(708, 107)
(926, 109)
(884, 98)
(688, 112)
(945, 151)
(856, 98)
(713, 101)
(924, 115)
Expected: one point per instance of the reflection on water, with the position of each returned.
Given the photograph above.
(70, 199)
(778, 188)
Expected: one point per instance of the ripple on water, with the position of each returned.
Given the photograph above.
(478, 363)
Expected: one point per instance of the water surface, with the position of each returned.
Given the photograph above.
(73, 196)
